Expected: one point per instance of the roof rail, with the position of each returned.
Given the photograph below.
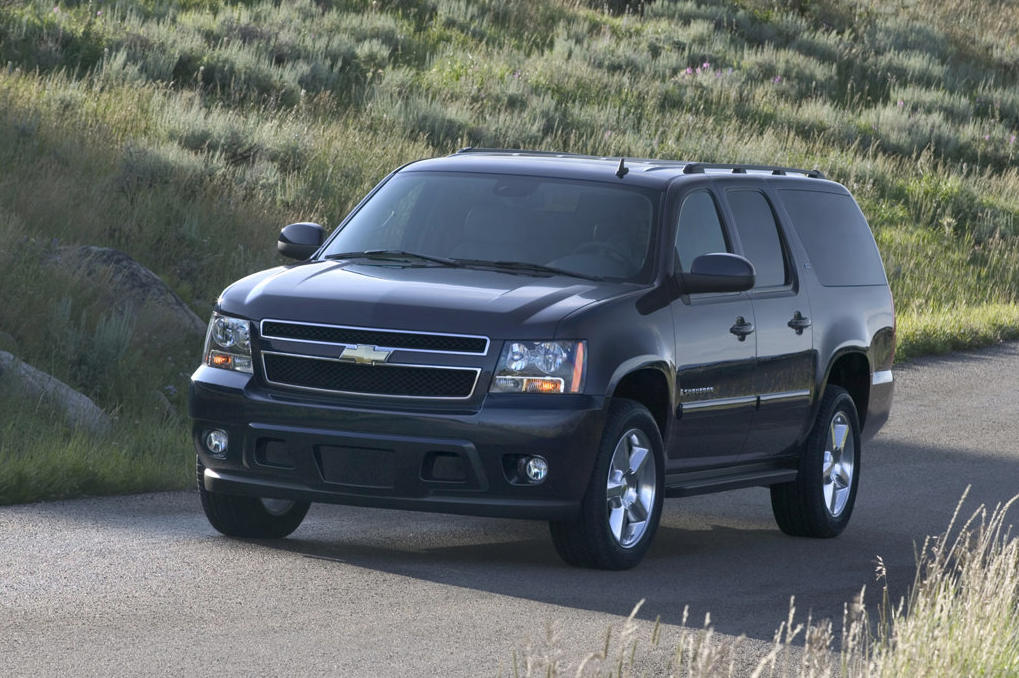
(704, 167)
(532, 152)
(508, 151)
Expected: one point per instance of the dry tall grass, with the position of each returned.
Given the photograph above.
(960, 619)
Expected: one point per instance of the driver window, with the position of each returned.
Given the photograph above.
(699, 230)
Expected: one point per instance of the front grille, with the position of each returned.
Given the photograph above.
(402, 381)
(353, 336)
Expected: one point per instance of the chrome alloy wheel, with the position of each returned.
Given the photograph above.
(837, 470)
(631, 488)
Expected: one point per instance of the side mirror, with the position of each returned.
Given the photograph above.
(718, 272)
(300, 240)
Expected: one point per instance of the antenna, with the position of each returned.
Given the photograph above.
(623, 169)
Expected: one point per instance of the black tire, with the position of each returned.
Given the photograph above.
(251, 517)
(820, 501)
(614, 531)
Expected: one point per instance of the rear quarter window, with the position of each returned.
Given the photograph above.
(836, 236)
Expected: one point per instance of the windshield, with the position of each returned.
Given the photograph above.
(589, 229)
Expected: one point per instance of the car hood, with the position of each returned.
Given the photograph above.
(422, 298)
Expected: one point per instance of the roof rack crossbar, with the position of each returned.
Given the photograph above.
(704, 167)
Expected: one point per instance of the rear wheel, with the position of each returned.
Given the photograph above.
(251, 517)
(623, 503)
(820, 501)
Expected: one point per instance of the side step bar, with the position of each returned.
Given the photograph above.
(691, 483)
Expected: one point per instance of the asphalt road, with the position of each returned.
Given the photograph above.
(142, 585)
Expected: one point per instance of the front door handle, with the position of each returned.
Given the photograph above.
(742, 329)
(799, 323)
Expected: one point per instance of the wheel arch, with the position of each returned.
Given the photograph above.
(649, 386)
(851, 370)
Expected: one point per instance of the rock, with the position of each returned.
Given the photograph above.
(22, 380)
(123, 283)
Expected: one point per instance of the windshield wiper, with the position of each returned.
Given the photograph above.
(402, 255)
(526, 268)
(394, 255)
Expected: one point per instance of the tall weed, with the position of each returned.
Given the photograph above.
(960, 618)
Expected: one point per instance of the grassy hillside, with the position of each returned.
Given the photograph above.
(187, 133)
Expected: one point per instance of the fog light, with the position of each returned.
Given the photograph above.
(534, 469)
(216, 441)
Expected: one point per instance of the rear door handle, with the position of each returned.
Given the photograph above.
(799, 323)
(742, 328)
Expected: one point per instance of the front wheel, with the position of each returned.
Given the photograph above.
(623, 503)
(820, 501)
(251, 517)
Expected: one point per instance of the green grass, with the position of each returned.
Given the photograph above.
(937, 331)
(43, 459)
(188, 133)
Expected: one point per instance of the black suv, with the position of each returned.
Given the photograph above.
(559, 337)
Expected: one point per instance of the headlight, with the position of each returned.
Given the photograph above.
(228, 343)
(541, 367)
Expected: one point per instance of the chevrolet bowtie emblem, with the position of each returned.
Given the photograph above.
(365, 355)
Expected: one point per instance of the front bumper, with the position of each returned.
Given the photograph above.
(448, 461)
